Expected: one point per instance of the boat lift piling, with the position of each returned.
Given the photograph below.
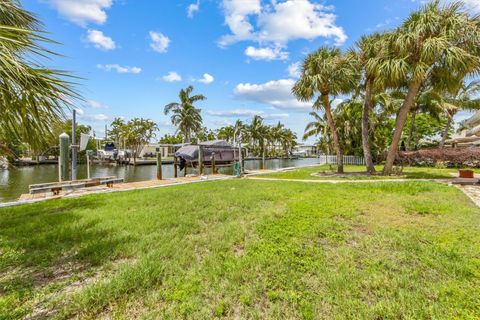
(159, 164)
(63, 159)
(74, 145)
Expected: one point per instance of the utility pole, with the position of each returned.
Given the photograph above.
(74, 145)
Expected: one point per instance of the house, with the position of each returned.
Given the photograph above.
(305, 150)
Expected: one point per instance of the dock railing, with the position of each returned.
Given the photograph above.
(332, 159)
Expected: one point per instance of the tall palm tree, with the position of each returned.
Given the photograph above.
(33, 97)
(327, 72)
(462, 99)
(185, 116)
(439, 43)
(369, 52)
(257, 131)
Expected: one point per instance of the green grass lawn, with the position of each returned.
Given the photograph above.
(408, 173)
(245, 249)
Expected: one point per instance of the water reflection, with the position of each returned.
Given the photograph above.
(15, 181)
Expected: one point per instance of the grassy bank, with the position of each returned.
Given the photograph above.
(407, 173)
(245, 249)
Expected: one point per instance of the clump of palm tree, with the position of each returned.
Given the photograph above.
(184, 115)
(327, 73)
(33, 97)
(438, 43)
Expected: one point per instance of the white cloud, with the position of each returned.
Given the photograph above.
(275, 116)
(266, 53)
(234, 113)
(192, 8)
(100, 117)
(99, 40)
(95, 104)
(83, 12)
(276, 93)
(247, 113)
(172, 76)
(294, 70)
(473, 5)
(207, 78)
(119, 69)
(159, 42)
(79, 112)
(279, 22)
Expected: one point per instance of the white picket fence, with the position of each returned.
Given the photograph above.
(328, 159)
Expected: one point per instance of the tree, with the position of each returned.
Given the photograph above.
(319, 127)
(437, 43)
(135, 134)
(327, 72)
(428, 101)
(32, 97)
(226, 133)
(170, 139)
(185, 116)
(369, 51)
(257, 133)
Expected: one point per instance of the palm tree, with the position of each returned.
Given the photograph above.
(185, 116)
(369, 52)
(257, 133)
(33, 97)
(318, 127)
(288, 140)
(327, 72)
(428, 101)
(437, 43)
(461, 100)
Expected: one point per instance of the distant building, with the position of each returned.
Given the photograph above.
(166, 150)
(305, 150)
(470, 136)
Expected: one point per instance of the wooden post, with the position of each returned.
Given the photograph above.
(175, 174)
(243, 160)
(213, 163)
(200, 160)
(88, 164)
(263, 155)
(159, 164)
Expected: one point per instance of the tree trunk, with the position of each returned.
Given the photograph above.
(333, 128)
(400, 123)
(445, 133)
(410, 131)
(367, 107)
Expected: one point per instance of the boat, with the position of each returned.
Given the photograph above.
(220, 150)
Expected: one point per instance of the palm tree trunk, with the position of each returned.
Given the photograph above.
(445, 132)
(333, 128)
(400, 123)
(411, 130)
(367, 107)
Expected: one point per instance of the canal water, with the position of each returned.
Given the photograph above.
(15, 181)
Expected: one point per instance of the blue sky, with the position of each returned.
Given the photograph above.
(135, 55)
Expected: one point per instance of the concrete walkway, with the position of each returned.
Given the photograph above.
(348, 181)
(473, 192)
(128, 186)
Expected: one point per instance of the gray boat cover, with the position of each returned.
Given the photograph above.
(223, 151)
